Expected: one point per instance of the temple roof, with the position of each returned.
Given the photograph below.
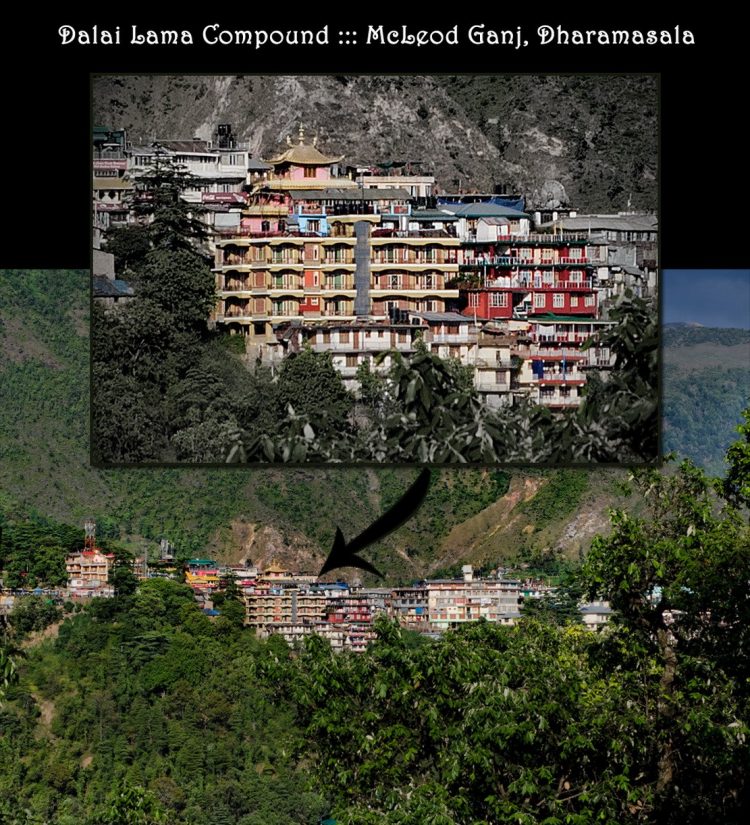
(304, 154)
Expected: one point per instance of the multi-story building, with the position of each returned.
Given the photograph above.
(452, 603)
(409, 606)
(497, 364)
(519, 276)
(111, 186)
(316, 245)
(88, 570)
(555, 363)
(276, 603)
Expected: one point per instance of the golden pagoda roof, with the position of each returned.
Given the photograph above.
(303, 154)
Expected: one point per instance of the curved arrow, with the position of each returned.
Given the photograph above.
(345, 555)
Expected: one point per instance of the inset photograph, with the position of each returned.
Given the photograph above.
(360, 269)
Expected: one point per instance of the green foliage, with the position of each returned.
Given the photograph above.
(129, 245)
(132, 805)
(678, 577)
(560, 496)
(155, 714)
(706, 385)
(737, 482)
(32, 613)
(180, 283)
(690, 336)
(511, 724)
(173, 224)
(619, 417)
(312, 387)
(32, 553)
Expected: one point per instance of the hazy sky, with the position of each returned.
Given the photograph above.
(712, 297)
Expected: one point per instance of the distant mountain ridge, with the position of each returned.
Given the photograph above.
(592, 139)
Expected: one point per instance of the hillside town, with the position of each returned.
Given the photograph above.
(362, 261)
(296, 605)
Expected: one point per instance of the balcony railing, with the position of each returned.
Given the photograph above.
(413, 233)
(552, 401)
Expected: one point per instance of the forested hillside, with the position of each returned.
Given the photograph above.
(264, 514)
(140, 709)
(706, 385)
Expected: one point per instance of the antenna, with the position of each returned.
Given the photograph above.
(89, 542)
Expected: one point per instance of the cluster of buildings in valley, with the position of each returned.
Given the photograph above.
(359, 261)
(296, 606)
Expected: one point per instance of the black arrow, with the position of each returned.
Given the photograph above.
(345, 555)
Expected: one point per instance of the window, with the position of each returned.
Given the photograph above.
(313, 226)
(540, 300)
(326, 337)
(343, 337)
(501, 377)
(313, 302)
(351, 360)
(309, 171)
(558, 300)
(576, 276)
(394, 282)
(589, 301)
(573, 301)
(498, 299)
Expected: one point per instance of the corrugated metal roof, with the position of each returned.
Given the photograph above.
(610, 223)
(484, 210)
(437, 317)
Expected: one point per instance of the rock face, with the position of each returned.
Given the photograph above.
(551, 196)
(264, 545)
(587, 140)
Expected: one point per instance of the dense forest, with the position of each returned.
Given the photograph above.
(141, 709)
(706, 385)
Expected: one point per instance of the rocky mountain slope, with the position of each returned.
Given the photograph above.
(589, 141)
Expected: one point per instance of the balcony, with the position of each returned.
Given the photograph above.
(570, 377)
(452, 337)
(414, 233)
(573, 261)
(572, 337)
(559, 402)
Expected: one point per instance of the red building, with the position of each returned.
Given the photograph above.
(522, 276)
